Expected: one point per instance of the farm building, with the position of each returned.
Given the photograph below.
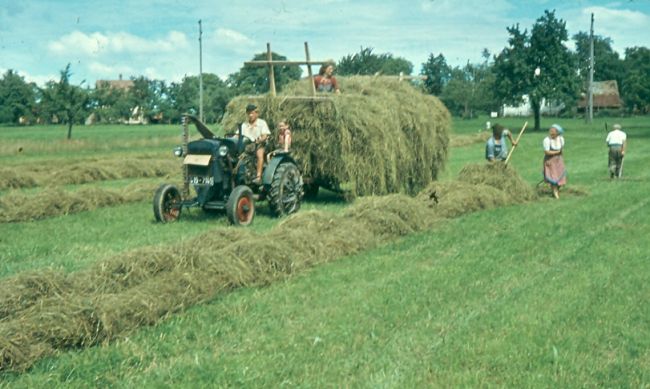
(137, 114)
(605, 96)
(524, 109)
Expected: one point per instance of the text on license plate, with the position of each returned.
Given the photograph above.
(202, 180)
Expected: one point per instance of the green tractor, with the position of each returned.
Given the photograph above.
(222, 172)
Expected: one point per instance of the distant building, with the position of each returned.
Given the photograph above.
(605, 96)
(119, 84)
(524, 109)
(137, 114)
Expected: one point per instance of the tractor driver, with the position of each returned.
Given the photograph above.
(256, 130)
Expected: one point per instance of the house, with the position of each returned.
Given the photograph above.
(119, 84)
(137, 113)
(605, 96)
(524, 109)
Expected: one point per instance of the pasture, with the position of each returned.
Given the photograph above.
(540, 294)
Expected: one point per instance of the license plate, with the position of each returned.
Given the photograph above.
(202, 180)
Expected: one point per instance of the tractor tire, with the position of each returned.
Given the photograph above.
(286, 190)
(240, 206)
(166, 203)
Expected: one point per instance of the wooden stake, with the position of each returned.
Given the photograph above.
(516, 142)
(269, 58)
(309, 73)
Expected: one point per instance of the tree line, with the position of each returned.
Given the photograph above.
(536, 63)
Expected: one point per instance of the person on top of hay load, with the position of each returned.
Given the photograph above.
(616, 141)
(554, 170)
(256, 130)
(325, 81)
(495, 147)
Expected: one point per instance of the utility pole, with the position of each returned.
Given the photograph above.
(590, 89)
(200, 73)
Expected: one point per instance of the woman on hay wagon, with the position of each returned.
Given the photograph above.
(554, 169)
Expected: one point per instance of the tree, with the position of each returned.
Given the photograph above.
(470, 89)
(438, 74)
(17, 98)
(636, 82)
(538, 65)
(255, 79)
(68, 102)
(607, 64)
(365, 62)
(184, 97)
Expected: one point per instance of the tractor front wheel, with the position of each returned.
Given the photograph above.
(167, 203)
(240, 206)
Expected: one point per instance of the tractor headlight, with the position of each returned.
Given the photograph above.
(223, 151)
(178, 151)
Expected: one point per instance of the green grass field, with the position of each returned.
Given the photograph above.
(546, 294)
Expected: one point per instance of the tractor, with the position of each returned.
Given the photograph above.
(222, 172)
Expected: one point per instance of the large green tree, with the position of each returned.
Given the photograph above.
(184, 97)
(437, 73)
(68, 102)
(538, 65)
(470, 90)
(17, 98)
(636, 82)
(607, 64)
(365, 62)
(255, 79)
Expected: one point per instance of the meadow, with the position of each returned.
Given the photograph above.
(545, 293)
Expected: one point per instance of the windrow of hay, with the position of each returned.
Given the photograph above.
(87, 171)
(33, 147)
(379, 136)
(17, 206)
(55, 311)
(459, 140)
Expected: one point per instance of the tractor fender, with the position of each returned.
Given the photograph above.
(267, 176)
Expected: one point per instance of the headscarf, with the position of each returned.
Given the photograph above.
(559, 128)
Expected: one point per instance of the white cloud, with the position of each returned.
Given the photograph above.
(620, 17)
(232, 38)
(38, 80)
(111, 72)
(97, 43)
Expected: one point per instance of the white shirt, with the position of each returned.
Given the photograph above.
(255, 130)
(553, 144)
(616, 138)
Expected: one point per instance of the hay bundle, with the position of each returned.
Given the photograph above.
(379, 136)
(454, 198)
(500, 176)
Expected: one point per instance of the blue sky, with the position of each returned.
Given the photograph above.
(159, 39)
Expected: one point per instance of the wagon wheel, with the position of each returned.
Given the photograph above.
(167, 203)
(240, 206)
(286, 190)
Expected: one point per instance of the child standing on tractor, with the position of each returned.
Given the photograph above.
(284, 136)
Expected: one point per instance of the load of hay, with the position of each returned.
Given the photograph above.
(378, 136)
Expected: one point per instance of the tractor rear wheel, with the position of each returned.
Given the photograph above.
(166, 203)
(240, 206)
(286, 190)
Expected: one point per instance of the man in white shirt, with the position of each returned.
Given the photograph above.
(616, 141)
(256, 130)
